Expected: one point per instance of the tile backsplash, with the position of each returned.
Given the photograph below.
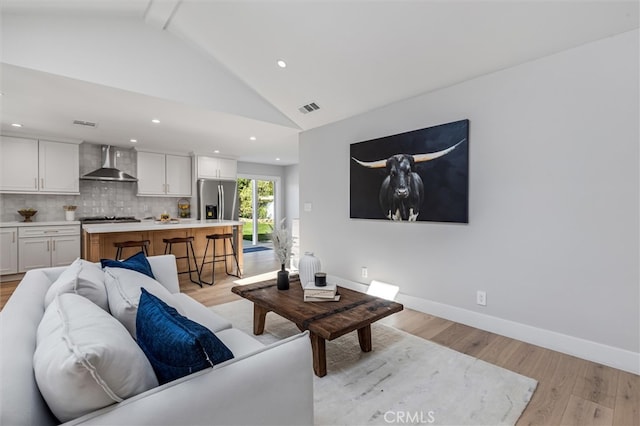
(96, 198)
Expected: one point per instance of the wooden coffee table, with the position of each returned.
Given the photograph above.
(324, 320)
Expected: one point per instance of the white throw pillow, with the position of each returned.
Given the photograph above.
(123, 288)
(83, 278)
(85, 359)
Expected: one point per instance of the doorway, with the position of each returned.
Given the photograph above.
(257, 209)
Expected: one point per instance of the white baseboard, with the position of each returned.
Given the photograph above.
(586, 349)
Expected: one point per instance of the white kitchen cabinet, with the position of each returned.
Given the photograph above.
(151, 173)
(59, 167)
(164, 174)
(32, 166)
(19, 160)
(45, 246)
(179, 177)
(64, 249)
(217, 168)
(34, 253)
(8, 251)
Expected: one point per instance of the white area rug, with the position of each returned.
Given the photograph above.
(403, 380)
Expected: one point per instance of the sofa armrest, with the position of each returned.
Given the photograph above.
(20, 399)
(273, 386)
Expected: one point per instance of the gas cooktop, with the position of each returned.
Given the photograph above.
(108, 219)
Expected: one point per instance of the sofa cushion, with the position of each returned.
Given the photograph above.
(138, 262)
(175, 345)
(85, 359)
(82, 278)
(199, 313)
(238, 342)
(123, 288)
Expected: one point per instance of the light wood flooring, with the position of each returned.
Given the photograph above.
(571, 391)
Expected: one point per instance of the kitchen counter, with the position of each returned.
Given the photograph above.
(98, 239)
(50, 223)
(151, 225)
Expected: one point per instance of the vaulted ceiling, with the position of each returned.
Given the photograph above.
(207, 69)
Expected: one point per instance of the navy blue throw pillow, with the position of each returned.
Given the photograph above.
(138, 262)
(175, 345)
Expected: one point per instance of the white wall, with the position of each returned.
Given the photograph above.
(553, 204)
(292, 192)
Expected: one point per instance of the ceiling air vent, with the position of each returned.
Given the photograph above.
(84, 123)
(305, 109)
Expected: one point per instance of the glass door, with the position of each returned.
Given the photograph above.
(257, 205)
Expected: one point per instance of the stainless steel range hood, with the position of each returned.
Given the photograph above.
(108, 171)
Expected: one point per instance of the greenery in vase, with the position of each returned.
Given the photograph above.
(282, 243)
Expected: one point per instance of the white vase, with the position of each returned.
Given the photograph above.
(70, 215)
(307, 268)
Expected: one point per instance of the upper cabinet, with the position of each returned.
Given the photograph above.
(216, 168)
(179, 176)
(59, 166)
(164, 175)
(29, 165)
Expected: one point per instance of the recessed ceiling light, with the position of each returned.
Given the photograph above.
(155, 120)
(277, 158)
(16, 124)
(281, 63)
(252, 138)
(217, 151)
(133, 140)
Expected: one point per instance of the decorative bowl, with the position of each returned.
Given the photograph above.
(27, 214)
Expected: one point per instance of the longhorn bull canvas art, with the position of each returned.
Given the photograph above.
(421, 175)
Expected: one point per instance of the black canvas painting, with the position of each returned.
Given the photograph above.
(422, 175)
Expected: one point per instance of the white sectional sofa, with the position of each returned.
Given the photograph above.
(260, 385)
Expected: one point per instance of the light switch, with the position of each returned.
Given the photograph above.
(307, 207)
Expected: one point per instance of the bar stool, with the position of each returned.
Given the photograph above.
(188, 243)
(143, 244)
(220, 257)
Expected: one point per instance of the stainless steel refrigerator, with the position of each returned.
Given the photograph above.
(218, 199)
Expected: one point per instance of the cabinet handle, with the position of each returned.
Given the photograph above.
(13, 237)
(48, 245)
(54, 245)
(35, 182)
(167, 188)
(51, 232)
(42, 182)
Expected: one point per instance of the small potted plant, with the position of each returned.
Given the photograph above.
(69, 212)
(282, 244)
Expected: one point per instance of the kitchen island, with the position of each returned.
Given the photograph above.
(98, 239)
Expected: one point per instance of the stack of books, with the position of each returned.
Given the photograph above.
(328, 293)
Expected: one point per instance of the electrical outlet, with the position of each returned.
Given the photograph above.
(365, 273)
(481, 298)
